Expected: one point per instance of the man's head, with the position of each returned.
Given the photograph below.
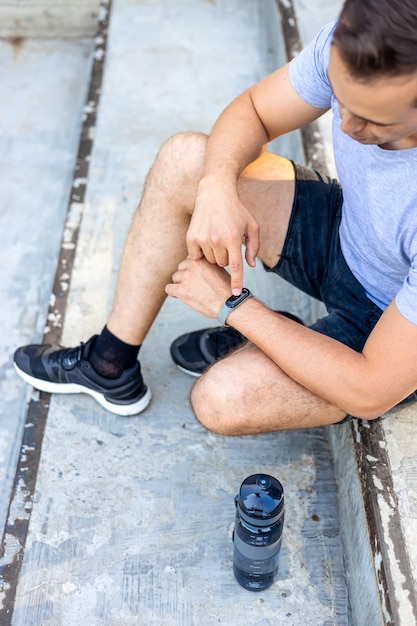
(373, 71)
(378, 37)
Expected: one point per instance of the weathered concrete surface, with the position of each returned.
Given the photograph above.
(396, 498)
(132, 518)
(400, 433)
(132, 523)
(48, 18)
(360, 565)
(92, 559)
(40, 118)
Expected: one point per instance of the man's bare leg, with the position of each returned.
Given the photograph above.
(156, 240)
(247, 393)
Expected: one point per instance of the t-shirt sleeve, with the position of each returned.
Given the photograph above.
(406, 298)
(308, 70)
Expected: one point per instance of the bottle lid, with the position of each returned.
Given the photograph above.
(261, 497)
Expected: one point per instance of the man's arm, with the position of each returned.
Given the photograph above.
(220, 222)
(362, 384)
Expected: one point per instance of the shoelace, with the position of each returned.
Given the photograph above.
(69, 357)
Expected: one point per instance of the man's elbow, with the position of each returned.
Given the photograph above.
(368, 406)
(367, 414)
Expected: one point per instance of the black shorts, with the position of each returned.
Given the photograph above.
(312, 260)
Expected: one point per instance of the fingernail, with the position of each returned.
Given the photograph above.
(236, 292)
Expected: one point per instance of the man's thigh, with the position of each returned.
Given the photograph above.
(266, 188)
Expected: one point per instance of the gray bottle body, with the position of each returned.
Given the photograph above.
(258, 530)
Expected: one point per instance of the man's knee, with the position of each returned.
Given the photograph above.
(183, 154)
(216, 406)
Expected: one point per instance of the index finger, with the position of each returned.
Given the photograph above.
(236, 271)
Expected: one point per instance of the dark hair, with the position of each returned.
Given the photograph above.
(378, 37)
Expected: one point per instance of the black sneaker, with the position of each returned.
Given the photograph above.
(195, 351)
(55, 369)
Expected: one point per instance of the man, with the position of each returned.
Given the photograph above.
(357, 252)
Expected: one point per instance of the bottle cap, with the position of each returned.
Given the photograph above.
(261, 497)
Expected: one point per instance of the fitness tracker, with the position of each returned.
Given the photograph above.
(232, 303)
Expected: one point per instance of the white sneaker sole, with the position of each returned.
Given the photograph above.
(125, 410)
(189, 372)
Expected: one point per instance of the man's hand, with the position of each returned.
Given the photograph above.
(219, 226)
(200, 285)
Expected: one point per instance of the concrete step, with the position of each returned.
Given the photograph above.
(131, 519)
(48, 19)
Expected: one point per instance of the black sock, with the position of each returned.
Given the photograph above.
(110, 356)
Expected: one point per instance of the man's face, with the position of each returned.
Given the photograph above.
(380, 111)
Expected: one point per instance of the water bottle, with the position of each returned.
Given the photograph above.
(258, 531)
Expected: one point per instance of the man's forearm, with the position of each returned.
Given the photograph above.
(220, 222)
(324, 366)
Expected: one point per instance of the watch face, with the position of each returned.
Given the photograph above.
(235, 300)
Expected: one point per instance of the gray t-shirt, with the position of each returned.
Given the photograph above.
(378, 232)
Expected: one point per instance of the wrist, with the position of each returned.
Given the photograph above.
(219, 179)
(232, 304)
